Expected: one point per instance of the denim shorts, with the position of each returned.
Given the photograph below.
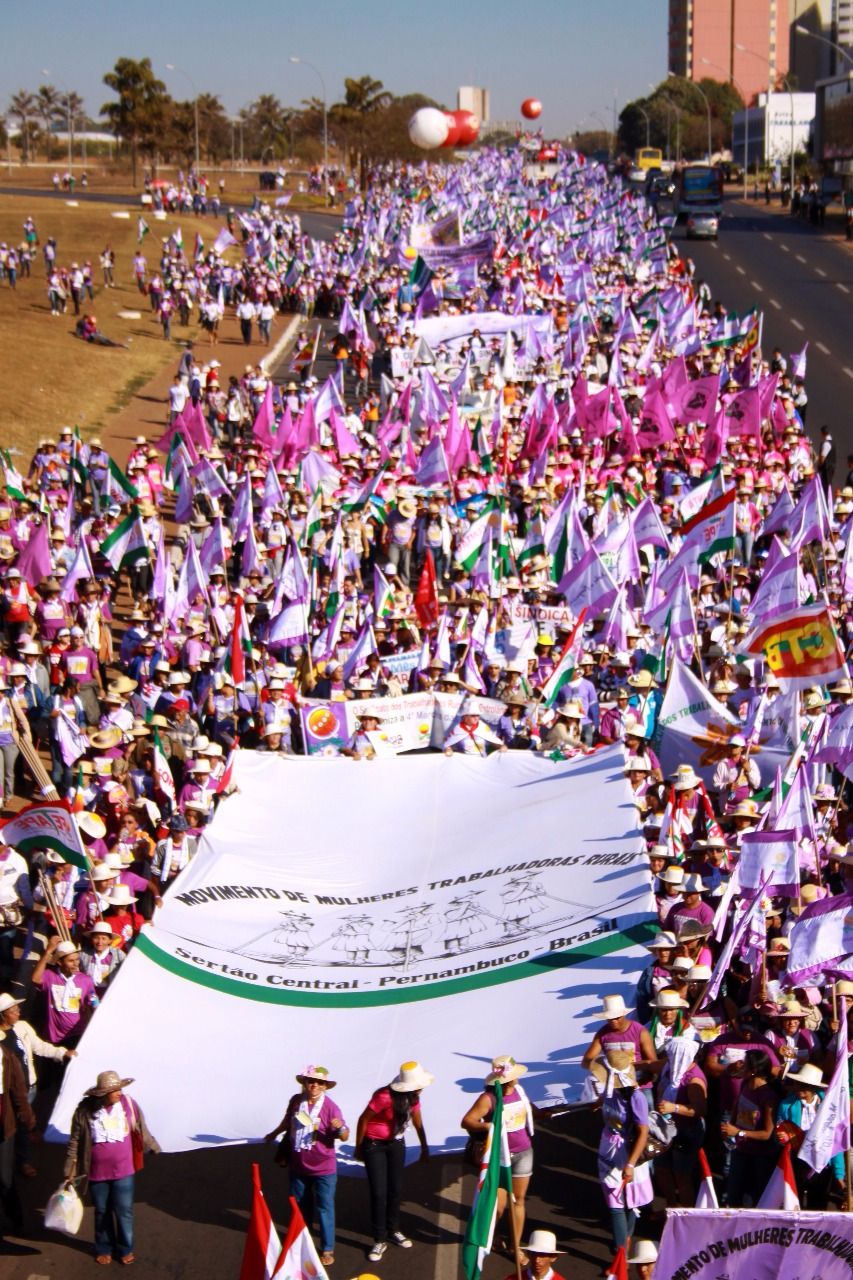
(521, 1163)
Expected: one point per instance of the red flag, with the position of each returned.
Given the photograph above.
(426, 596)
(228, 772)
(706, 1196)
(262, 1250)
(618, 1267)
(781, 1191)
(238, 661)
(298, 1253)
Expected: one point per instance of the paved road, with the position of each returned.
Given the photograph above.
(322, 226)
(192, 1212)
(803, 281)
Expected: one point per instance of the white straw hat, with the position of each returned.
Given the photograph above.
(543, 1242)
(613, 1007)
(410, 1077)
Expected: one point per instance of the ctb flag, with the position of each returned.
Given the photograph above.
(801, 647)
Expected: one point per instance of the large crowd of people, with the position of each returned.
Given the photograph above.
(532, 404)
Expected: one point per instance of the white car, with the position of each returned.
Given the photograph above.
(703, 224)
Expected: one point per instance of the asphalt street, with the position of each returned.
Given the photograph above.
(322, 226)
(803, 281)
(192, 1211)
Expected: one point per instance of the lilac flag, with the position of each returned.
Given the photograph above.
(262, 427)
(34, 561)
(290, 625)
(214, 552)
(588, 584)
(829, 1132)
(161, 569)
(773, 854)
(223, 241)
(80, 568)
(364, 646)
(432, 468)
(822, 941)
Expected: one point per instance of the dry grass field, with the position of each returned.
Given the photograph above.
(51, 378)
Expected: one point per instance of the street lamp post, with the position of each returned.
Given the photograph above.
(702, 95)
(732, 80)
(645, 116)
(170, 66)
(677, 109)
(294, 57)
(813, 35)
(742, 48)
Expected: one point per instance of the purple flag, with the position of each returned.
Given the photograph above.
(432, 468)
(773, 854)
(829, 1132)
(81, 568)
(34, 562)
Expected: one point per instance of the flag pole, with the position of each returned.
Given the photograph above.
(513, 1226)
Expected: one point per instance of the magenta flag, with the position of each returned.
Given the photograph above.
(263, 424)
(34, 562)
(654, 427)
(344, 438)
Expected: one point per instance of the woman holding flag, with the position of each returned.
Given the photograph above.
(516, 1124)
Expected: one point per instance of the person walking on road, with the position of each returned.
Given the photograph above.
(826, 457)
(380, 1141)
(108, 1139)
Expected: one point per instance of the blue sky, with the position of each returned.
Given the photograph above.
(572, 54)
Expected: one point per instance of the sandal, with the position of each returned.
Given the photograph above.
(327, 1258)
(128, 1260)
(104, 1259)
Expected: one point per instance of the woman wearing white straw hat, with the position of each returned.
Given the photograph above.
(643, 1256)
(517, 1125)
(311, 1125)
(795, 1115)
(105, 1150)
(625, 1174)
(380, 1141)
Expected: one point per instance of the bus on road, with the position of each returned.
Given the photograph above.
(648, 158)
(698, 187)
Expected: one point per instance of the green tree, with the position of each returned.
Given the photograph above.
(265, 128)
(22, 107)
(364, 101)
(47, 106)
(137, 118)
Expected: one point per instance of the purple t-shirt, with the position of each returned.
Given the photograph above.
(67, 999)
(319, 1158)
(112, 1146)
(628, 1039)
(515, 1120)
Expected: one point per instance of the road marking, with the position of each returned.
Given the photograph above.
(777, 305)
(784, 248)
(740, 270)
(826, 351)
(767, 235)
(796, 324)
(820, 271)
(447, 1258)
(799, 257)
(849, 372)
(728, 257)
(843, 288)
(756, 285)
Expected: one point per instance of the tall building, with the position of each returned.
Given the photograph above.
(471, 98)
(811, 60)
(745, 41)
(842, 29)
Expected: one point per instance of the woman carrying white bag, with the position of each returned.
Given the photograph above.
(108, 1138)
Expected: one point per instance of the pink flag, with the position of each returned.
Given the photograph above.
(742, 413)
(344, 439)
(654, 427)
(263, 424)
(34, 562)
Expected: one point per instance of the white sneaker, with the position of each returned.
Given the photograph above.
(377, 1251)
(403, 1242)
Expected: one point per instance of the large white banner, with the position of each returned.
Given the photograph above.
(754, 1244)
(365, 913)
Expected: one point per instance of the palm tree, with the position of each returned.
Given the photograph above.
(73, 106)
(137, 117)
(48, 104)
(22, 106)
(266, 121)
(363, 98)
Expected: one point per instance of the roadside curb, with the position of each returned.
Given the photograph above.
(287, 336)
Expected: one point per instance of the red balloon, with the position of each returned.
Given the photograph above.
(468, 125)
(531, 108)
(452, 139)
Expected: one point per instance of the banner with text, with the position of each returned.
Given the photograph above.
(751, 1244)
(365, 915)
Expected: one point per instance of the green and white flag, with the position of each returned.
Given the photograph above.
(534, 542)
(567, 665)
(142, 229)
(473, 539)
(495, 1175)
(314, 518)
(126, 545)
(117, 480)
(14, 479)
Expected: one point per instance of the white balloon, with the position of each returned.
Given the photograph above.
(428, 128)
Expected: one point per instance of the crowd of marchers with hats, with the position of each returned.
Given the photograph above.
(501, 511)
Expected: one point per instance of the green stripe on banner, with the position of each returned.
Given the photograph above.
(603, 945)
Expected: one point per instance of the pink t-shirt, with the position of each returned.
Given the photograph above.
(382, 1123)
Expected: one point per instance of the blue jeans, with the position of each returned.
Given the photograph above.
(317, 1192)
(113, 1201)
